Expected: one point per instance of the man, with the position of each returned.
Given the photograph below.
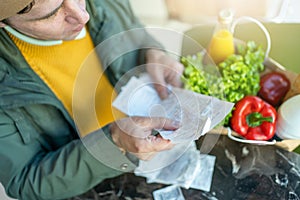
(43, 47)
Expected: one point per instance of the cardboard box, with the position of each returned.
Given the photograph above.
(272, 65)
(196, 40)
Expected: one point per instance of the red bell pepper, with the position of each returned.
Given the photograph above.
(254, 119)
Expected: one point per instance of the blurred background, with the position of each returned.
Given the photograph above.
(197, 18)
(181, 14)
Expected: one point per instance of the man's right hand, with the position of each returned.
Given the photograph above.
(133, 135)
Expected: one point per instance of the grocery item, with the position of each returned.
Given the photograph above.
(288, 125)
(273, 87)
(239, 74)
(254, 119)
(221, 45)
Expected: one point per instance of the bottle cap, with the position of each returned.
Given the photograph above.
(225, 16)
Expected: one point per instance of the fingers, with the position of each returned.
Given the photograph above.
(164, 75)
(163, 70)
(145, 125)
(145, 156)
(140, 127)
(157, 74)
(162, 78)
(161, 89)
(156, 144)
(151, 146)
(175, 77)
(163, 123)
(145, 146)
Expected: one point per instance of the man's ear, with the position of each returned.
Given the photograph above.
(2, 24)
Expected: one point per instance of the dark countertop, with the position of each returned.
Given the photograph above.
(242, 171)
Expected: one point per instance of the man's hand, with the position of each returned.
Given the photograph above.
(163, 70)
(133, 135)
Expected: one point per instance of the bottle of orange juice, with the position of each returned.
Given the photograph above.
(221, 44)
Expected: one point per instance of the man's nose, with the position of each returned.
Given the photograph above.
(76, 12)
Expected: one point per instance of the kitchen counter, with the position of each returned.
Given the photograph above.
(241, 171)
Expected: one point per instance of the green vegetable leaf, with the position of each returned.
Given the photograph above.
(231, 80)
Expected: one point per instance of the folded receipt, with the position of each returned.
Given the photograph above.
(196, 113)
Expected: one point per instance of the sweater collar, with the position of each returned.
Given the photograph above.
(38, 42)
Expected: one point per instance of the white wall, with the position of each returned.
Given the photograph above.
(158, 12)
(150, 11)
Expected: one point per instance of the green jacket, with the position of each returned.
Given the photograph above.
(41, 155)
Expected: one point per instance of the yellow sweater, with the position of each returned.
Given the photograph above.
(73, 72)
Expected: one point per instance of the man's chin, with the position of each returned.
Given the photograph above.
(76, 36)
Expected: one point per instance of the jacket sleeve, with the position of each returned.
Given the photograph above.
(31, 170)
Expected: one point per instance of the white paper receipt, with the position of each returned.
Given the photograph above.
(172, 192)
(196, 113)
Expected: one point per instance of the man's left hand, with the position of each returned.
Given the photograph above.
(163, 70)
